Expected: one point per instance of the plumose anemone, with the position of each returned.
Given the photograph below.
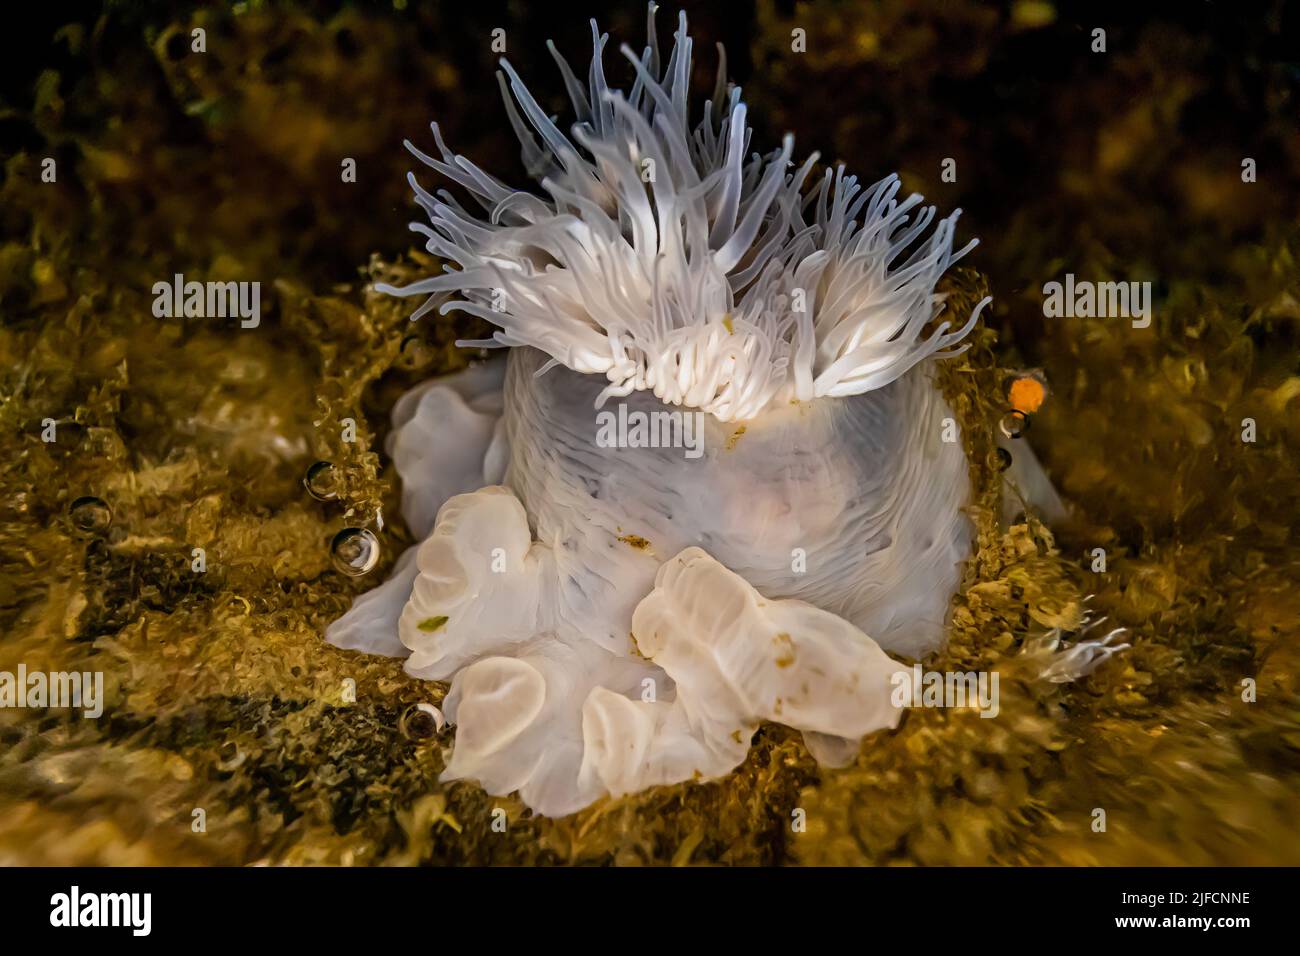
(618, 615)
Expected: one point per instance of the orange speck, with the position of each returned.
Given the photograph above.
(1027, 394)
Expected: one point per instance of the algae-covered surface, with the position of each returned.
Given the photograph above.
(232, 734)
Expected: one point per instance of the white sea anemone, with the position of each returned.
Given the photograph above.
(612, 618)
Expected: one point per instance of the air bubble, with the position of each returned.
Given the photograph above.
(1014, 423)
(355, 551)
(321, 481)
(229, 756)
(1004, 459)
(421, 721)
(415, 353)
(90, 515)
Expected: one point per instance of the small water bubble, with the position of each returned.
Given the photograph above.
(229, 756)
(90, 515)
(68, 438)
(1004, 459)
(421, 721)
(415, 353)
(1014, 423)
(322, 481)
(355, 551)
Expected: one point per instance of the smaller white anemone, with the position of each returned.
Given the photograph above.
(666, 261)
